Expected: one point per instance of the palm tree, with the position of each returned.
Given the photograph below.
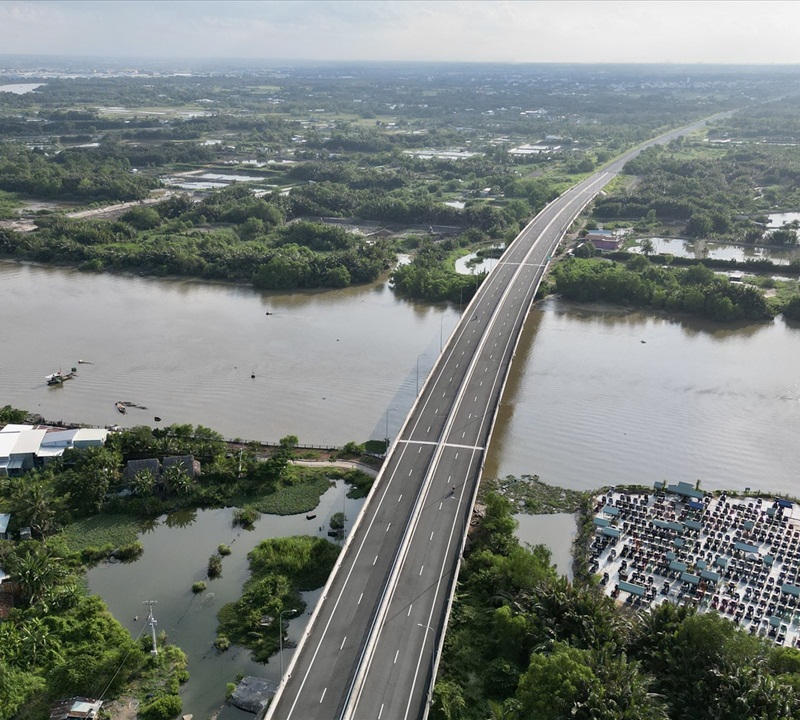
(35, 504)
(37, 644)
(35, 572)
(143, 483)
(508, 710)
(176, 479)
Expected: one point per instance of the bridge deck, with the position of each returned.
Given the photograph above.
(370, 649)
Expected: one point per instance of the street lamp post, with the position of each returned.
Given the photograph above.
(280, 634)
(433, 661)
(418, 357)
(387, 427)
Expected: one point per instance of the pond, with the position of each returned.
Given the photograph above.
(176, 552)
(680, 247)
(20, 88)
(556, 532)
(472, 263)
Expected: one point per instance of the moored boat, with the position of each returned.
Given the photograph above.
(58, 378)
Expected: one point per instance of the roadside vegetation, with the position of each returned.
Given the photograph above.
(55, 640)
(280, 570)
(529, 494)
(644, 283)
(524, 643)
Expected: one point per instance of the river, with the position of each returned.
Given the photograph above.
(599, 396)
(327, 365)
(596, 396)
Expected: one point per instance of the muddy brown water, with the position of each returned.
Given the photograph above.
(596, 396)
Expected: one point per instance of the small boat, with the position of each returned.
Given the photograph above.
(121, 407)
(58, 378)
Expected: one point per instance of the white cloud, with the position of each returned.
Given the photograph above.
(478, 30)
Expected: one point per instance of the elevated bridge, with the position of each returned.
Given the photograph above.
(372, 646)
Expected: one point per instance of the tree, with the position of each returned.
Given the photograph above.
(174, 479)
(143, 483)
(557, 685)
(95, 470)
(449, 698)
(17, 688)
(142, 218)
(34, 502)
(9, 414)
(791, 309)
(647, 247)
(35, 572)
(699, 225)
(164, 708)
(783, 236)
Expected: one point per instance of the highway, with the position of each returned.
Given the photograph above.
(371, 647)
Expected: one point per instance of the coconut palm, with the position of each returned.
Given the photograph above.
(34, 503)
(34, 572)
(143, 483)
(175, 479)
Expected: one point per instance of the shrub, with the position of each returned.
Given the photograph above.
(337, 521)
(215, 566)
(90, 555)
(198, 587)
(129, 553)
(164, 708)
(223, 550)
(352, 449)
(245, 516)
(222, 643)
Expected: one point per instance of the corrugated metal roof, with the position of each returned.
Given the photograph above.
(7, 442)
(91, 435)
(14, 427)
(28, 442)
(62, 438)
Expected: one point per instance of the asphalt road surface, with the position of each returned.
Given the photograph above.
(371, 648)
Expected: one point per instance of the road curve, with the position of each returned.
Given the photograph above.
(371, 647)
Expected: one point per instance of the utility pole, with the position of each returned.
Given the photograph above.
(151, 621)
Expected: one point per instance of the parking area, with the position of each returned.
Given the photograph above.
(739, 556)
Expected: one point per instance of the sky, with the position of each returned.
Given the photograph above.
(582, 31)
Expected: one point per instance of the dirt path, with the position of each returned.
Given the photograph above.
(347, 464)
(109, 211)
(123, 708)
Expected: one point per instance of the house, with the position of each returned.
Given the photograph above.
(5, 518)
(187, 463)
(75, 438)
(604, 239)
(133, 467)
(22, 447)
(77, 708)
(19, 445)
